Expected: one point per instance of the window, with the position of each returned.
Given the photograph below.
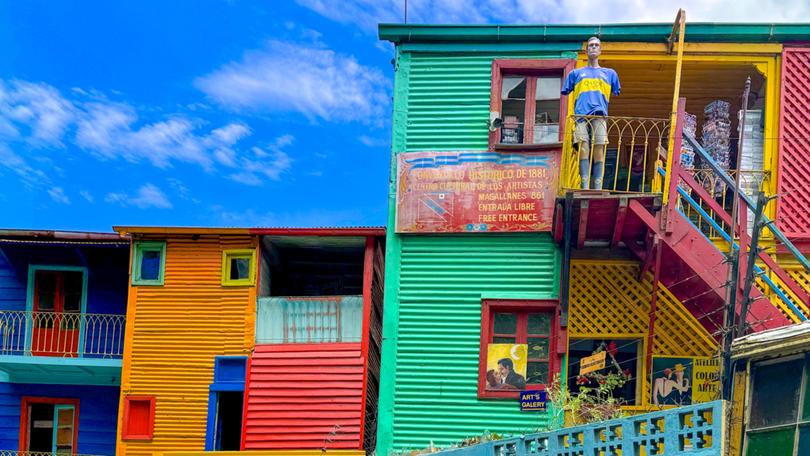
(623, 356)
(779, 416)
(57, 300)
(526, 97)
(518, 346)
(238, 267)
(226, 404)
(148, 263)
(49, 425)
(300, 320)
(139, 418)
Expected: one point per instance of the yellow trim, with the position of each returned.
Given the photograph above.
(693, 48)
(126, 362)
(227, 255)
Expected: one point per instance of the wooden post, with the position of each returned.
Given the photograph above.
(657, 247)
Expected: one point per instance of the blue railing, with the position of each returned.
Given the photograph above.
(692, 430)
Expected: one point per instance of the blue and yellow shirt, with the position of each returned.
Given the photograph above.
(592, 88)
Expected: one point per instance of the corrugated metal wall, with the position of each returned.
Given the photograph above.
(178, 330)
(794, 155)
(442, 282)
(448, 100)
(98, 408)
(305, 396)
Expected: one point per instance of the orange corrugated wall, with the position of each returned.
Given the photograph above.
(305, 396)
(174, 332)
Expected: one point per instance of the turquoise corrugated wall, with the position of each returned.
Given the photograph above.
(443, 279)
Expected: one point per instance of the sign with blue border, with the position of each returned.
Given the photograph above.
(533, 401)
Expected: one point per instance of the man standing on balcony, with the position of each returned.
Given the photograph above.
(592, 86)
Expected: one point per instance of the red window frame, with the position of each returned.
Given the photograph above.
(527, 67)
(556, 342)
(28, 400)
(126, 432)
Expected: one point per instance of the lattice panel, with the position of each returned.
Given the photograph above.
(794, 152)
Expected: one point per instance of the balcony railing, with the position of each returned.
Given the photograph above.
(39, 453)
(693, 429)
(61, 334)
(631, 150)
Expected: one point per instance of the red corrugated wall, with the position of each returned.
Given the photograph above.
(305, 396)
(794, 150)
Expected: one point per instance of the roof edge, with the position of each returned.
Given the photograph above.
(64, 235)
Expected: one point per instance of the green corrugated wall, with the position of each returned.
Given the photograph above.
(434, 284)
(442, 282)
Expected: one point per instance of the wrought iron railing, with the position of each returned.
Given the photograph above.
(63, 334)
(692, 429)
(633, 149)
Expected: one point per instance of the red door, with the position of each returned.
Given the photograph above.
(57, 312)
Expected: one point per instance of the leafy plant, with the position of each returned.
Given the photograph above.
(589, 404)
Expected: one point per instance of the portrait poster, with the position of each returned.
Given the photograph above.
(671, 380)
(506, 366)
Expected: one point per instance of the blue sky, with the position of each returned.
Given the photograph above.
(227, 113)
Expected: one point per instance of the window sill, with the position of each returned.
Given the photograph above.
(528, 147)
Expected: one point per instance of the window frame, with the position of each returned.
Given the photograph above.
(488, 308)
(137, 257)
(641, 377)
(126, 434)
(532, 68)
(25, 401)
(227, 255)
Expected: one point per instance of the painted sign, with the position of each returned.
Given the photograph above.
(506, 366)
(592, 363)
(705, 379)
(533, 401)
(463, 192)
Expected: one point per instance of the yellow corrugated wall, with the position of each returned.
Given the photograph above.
(608, 301)
(174, 332)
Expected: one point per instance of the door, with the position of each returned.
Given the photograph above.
(49, 426)
(56, 313)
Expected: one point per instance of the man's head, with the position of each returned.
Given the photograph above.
(505, 366)
(594, 48)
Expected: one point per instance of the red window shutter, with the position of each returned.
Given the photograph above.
(139, 418)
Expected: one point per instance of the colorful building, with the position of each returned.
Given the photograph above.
(252, 339)
(494, 252)
(62, 322)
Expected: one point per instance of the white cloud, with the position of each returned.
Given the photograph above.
(37, 106)
(368, 141)
(28, 175)
(368, 13)
(291, 77)
(301, 219)
(148, 196)
(87, 196)
(58, 194)
(264, 164)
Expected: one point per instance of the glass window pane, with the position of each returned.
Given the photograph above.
(538, 347)
(539, 323)
(503, 340)
(806, 405)
(150, 265)
(548, 88)
(64, 429)
(804, 439)
(778, 442)
(776, 394)
(513, 99)
(547, 110)
(240, 268)
(45, 284)
(505, 323)
(537, 373)
(73, 291)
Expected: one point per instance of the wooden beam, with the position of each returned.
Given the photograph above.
(621, 213)
(583, 223)
(654, 300)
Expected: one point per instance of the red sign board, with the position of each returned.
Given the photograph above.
(463, 192)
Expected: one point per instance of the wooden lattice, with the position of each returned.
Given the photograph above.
(607, 301)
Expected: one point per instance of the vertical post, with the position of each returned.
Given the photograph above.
(568, 219)
(680, 23)
(673, 165)
(368, 278)
(752, 258)
(657, 245)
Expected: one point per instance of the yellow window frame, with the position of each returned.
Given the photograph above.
(227, 257)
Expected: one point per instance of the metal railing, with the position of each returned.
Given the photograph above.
(62, 334)
(39, 453)
(633, 149)
(692, 429)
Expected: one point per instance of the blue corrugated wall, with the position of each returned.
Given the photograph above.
(98, 414)
(108, 270)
